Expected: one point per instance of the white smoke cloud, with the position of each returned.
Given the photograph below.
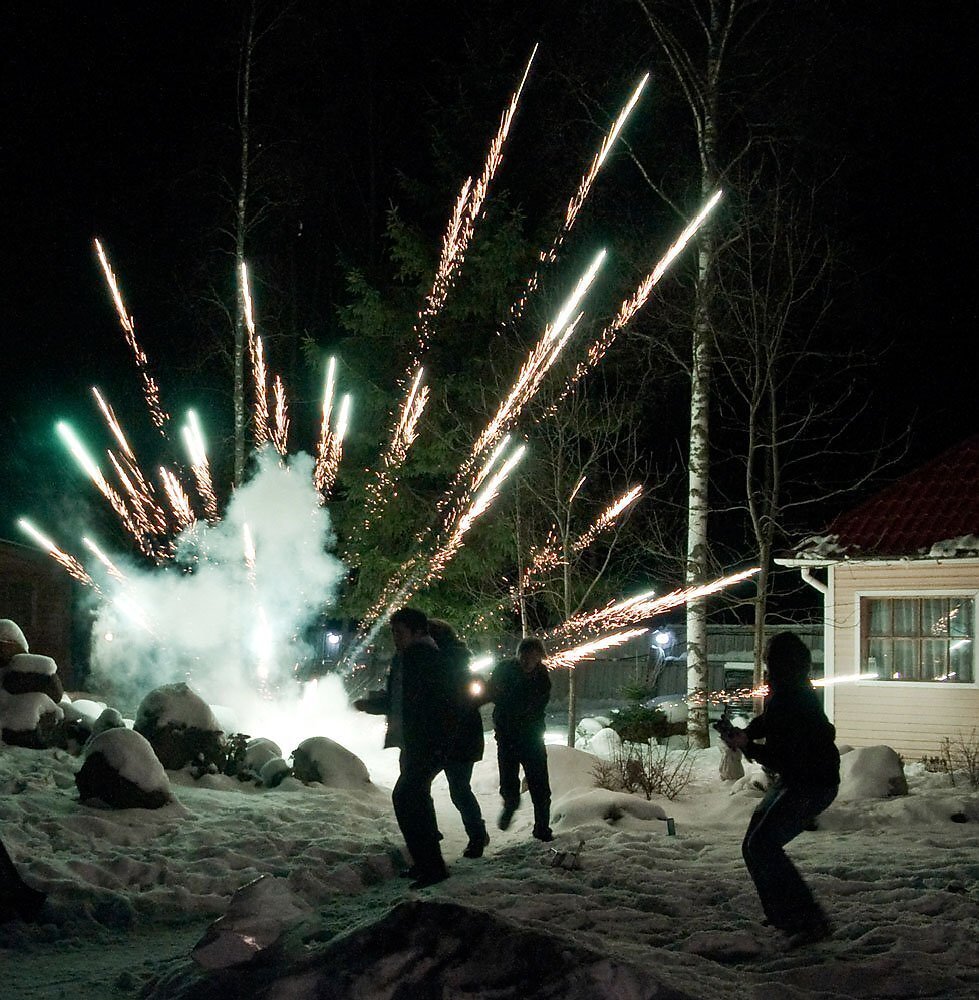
(231, 628)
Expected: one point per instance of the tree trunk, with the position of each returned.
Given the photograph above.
(241, 222)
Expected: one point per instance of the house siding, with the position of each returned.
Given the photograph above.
(910, 717)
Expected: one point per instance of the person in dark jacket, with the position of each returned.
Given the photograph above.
(794, 739)
(466, 743)
(520, 690)
(418, 705)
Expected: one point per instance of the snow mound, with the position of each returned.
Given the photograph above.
(871, 773)
(569, 769)
(176, 705)
(321, 759)
(130, 756)
(604, 743)
(22, 713)
(12, 639)
(599, 806)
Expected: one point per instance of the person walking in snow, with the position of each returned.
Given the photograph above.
(794, 739)
(466, 742)
(418, 706)
(520, 689)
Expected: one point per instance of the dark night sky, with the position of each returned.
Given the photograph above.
(114, 120)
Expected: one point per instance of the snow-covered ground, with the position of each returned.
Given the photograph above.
(646, 914)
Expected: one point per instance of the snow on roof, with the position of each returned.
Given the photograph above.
(932, 512)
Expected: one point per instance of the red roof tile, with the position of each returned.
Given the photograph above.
(935, 503)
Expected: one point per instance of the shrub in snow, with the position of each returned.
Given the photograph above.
(957, 756)
(12, 640)
(646, 769)
(31, 720)
(180, 727)
(27, 672)
(321, 759)
(121, 771)
(871, 773)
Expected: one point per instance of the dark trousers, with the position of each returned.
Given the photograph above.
(527, 752)
(782, 815)
(459, 774)
(415, 811)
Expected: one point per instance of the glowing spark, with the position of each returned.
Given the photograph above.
(256, 351)
(87, 463)
(110, 566)
(630, 306)
(569, 657)
(280, 436)
(68, 562)
(249, 548)
(323, 445)
(150, 389)
(606, 519)
(194, 439)
(636, 609)
(179, 501)
(110, 419)
(541, 358)
(549, 256)
(332, 464)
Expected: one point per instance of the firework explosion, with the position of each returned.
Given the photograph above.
(223, 560)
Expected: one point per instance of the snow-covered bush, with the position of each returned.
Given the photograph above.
(12, 640)
(960, 754)
(323, 760)
(646, 768)
(871, 773)
(181, 728)
(122, 771)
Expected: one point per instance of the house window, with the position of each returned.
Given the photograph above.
(918, 638)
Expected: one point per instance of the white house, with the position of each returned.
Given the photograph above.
(899, 576)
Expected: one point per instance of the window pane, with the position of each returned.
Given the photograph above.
(906, 620)
(961, 654)
(933, 654)
(962, 618)
(934, 616)
(879, 617)
(904, 665)
(879, 658)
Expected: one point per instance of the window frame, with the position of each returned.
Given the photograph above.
(916, 594)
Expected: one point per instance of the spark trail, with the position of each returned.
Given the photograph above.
(71, 565)
(151, 390)
(632, 305)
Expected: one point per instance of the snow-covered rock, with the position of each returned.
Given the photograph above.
(605, 743)
(31, 719)
(321, 759)
(871, 773)
(27, 672)
(122, 771)
(259, 751)
(257, 917)
(12, 640)
(274, 771)
(179, 725)
(578, 809)
(589, 726)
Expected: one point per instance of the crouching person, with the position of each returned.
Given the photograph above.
(520, 689)
(794, 739)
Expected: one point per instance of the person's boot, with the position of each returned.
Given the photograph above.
(506, 814)
(477, 844)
